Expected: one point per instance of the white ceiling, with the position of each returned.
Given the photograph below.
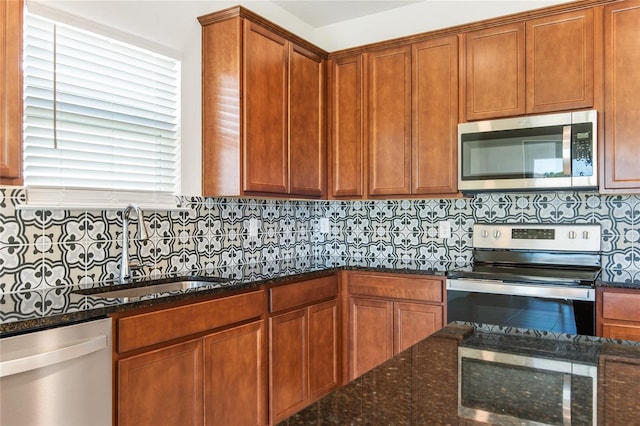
(318, 13)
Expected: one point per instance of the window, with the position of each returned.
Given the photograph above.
(99, 114)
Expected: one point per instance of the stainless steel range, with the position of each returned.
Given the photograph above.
(536, 276)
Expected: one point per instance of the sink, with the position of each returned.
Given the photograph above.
(136, 293)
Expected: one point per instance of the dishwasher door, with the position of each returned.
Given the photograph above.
(60, 376)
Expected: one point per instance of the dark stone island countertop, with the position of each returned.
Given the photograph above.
(419, 386)
(56, 306)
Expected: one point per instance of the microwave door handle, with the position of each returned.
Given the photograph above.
(566, 151)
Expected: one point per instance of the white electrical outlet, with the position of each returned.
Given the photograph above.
(253, 227)
(324, 225)
(444, 229)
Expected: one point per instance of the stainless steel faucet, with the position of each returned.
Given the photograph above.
(143, 233)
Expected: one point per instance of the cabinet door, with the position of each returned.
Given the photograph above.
(265, 154)
(389, 121)
(306, 123)
(560, 62)
(287, 363)
(620, 383)
(347, 143)
(324, 353)
(161, 387)
(234, 385)
(495, 72)
(414, 322)
(370, 334)
(11, 92)
(622, 85)
(435, 116)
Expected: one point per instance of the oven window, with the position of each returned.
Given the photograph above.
(500, 389)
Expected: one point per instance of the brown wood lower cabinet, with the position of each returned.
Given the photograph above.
(304, 347)
(234, 381)
(389, 313)
(161, 387)
(208, 371)
(617, 314)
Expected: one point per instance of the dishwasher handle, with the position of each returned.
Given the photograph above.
(45, 359)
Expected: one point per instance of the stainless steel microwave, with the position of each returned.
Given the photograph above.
(551, 151)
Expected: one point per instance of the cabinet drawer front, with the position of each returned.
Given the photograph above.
(429, 290)
(621, 306)
(155, 327)
(302, 293)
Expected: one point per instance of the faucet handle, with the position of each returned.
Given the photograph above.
(134, 264)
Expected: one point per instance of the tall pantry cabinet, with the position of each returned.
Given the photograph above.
(262, 108)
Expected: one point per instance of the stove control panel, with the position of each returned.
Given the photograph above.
(560, 237)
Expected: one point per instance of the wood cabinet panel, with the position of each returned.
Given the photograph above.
(618, 331)
(346, 127)
(234, 385)
(302, 293)
(560, 61)
(221, 112)
(175, 398)
(620, 382)
(396, 286)
(621, 305)
(288, 363)
(389, 121)
(371, 334)
(324, 348)
(617, 313)
(11, 92)
(154, 327)
(435, 116)
(495, 72)
(306, 123)
(265, 111)
(622, 117)
(414, 322)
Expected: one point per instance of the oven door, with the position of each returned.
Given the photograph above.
(559, 309)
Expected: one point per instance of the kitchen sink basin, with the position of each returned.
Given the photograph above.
(135, 293)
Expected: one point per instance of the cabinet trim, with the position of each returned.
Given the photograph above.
(11, 92)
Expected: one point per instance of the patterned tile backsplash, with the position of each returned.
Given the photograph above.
(42, 249)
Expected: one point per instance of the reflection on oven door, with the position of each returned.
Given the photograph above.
(513, 311)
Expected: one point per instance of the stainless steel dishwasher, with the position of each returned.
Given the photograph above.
(60, 376)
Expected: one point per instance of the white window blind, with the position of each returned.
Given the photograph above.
(98, 113)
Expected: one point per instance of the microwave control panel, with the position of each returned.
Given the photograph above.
(582, 149)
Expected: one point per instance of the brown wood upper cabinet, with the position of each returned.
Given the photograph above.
(262, 109)
(394, 114)
(622, 119)
(347, 150)
(11, 92)
(541, 65)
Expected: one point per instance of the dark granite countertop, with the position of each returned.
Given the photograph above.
(420, 385)
(55, 306)
(25, 312)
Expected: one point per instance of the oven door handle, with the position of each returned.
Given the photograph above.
(517, 289)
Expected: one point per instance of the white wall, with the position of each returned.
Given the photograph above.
(173, 24)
